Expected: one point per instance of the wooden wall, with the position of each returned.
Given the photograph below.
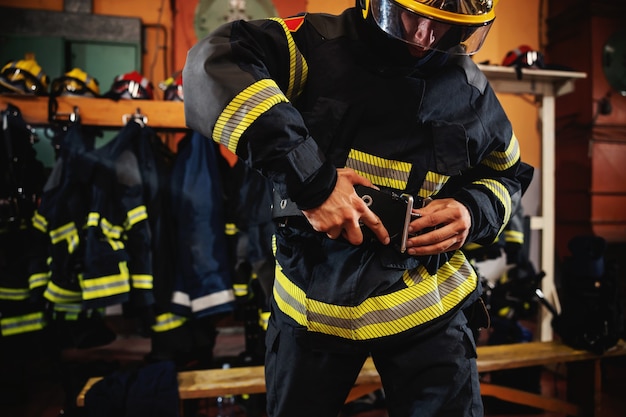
(591, 146)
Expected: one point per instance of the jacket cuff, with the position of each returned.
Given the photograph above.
(317, 190)
(485, 223)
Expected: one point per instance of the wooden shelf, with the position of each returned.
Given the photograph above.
(101, 112)
(533, 81)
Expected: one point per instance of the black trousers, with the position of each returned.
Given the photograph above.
(426, 376)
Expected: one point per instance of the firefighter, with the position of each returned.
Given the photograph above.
(384, 95)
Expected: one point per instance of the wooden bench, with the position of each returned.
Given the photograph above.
(583, 375)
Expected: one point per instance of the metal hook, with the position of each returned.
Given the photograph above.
(55, 116)
(137, 117)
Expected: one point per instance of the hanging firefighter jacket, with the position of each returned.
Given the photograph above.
(249, 227)
(248, 198)
(106, 233)
(58, 224)
(156, 162)
(94, 242)
(173, 336)
(203, 276)
(118, 255)
(22, 178)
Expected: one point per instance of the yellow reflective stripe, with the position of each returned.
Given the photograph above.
(71, 310)
(22, 324)
(116, 244)
(168, 321)
(501, 161)
(502, 194)
(240, 290)
(142, 281)
(107, 286)
(13, 294)
(67, 232)
(471, 246)
(264, 319)
(231, 229)
(380, 171)
(38, 280)
(110, 230)
(135, 215)
(40, 223)
(383, 315)
(289, 298)
(298, 68)
(504, 312)
(414, 276)
(244, 109)
(57, 294)
(93, 219)
(513, 236)
(433, 183)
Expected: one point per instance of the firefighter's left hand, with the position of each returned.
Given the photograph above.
(451, 221)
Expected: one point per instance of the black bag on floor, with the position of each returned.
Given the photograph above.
(591, 312)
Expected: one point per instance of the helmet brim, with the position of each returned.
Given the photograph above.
(425, 33)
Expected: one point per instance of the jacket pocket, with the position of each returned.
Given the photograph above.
(323, 121)
(451, 151)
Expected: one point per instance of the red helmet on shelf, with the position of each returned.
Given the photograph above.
(523, 56)
(131, 85)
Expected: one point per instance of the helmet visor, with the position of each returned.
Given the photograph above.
(448, 31)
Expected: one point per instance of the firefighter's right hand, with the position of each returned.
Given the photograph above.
(343, 212)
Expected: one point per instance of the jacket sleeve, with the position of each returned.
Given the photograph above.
(492, 191)
(495, 176)
(238, 86)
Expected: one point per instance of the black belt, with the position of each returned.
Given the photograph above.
(284, 207)
(299, 222)
(285, 211)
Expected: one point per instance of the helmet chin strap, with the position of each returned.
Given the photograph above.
(363, 5)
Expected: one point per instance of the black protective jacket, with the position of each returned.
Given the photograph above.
(300, 97)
